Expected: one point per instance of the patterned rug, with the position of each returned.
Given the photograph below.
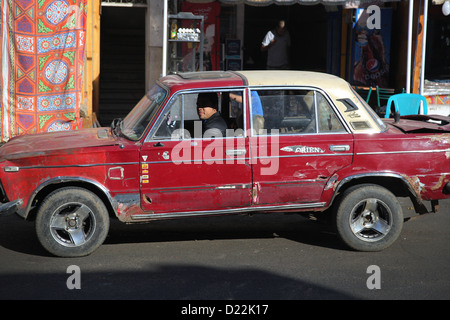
(42, 56)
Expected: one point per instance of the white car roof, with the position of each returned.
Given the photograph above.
(291, 77)
(360, 120)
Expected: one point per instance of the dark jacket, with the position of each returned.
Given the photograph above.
(215, 125)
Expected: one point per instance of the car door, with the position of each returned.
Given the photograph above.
(182, 170)
(302, 145)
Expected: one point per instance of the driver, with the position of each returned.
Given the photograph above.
(207, 109)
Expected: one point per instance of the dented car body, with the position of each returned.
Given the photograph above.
(297, 142)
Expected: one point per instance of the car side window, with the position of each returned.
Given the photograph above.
(172, 120)
(293, 112)
(178, 120)
(181, 120)
(328, 120)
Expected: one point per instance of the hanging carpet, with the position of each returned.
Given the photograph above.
(42, 56)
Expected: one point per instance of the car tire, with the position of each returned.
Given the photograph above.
(72, 222)
(368, 218)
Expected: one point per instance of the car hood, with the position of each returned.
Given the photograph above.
(44, 143)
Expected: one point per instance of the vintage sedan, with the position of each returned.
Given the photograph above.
(298, 142)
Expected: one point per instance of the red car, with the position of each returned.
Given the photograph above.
(280, 141)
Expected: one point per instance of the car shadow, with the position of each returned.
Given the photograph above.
(173, 283)
(258, 226)
(20, 236)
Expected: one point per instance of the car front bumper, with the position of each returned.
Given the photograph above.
(10, 207)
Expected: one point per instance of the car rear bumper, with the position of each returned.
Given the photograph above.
(10, 207)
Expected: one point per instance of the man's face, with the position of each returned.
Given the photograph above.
(281, 28)
(204, 109)
(205, 112)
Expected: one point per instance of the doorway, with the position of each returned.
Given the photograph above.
(307, 26)
(122, 61)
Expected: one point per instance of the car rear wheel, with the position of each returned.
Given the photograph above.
(72, 222)
(368, 218)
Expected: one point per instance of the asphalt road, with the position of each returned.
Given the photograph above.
(271, 257)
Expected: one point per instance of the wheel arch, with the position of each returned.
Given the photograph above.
(60, 182)
(395, 183)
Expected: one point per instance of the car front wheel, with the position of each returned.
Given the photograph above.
(368, 218)
(72, 222)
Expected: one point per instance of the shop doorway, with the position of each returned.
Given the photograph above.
(122, 61)
(307, 26)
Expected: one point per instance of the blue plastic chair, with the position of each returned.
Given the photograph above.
(406, 103)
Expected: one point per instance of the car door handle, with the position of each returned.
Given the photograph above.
(236, 152)
(340, 148)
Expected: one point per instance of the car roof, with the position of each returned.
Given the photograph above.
(333, 85)
(330, 83)
(336, 88)
(268, 77)
(291, 77)
(190, 80)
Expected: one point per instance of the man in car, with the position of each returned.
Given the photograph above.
(207, 109)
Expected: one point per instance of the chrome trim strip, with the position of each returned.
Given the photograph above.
(402, 151)
(195, 188)
(293, 182)
(187, 189)
(234, 186)
(81, 165)
(151, 216)
(233, 160)
(189, 161)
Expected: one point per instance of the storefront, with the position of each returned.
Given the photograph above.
(125, 45)
(436, 86)
(324, 37)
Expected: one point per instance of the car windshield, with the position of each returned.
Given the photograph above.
(135, 123)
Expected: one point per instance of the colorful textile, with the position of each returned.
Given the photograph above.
(438, 99)
(42, 56)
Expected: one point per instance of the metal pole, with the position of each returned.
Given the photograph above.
(424, 44)
(165, 24)
(408, 59)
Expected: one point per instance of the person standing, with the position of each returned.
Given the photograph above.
(277, 43)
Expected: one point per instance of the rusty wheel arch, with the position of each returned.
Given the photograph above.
(51, 185)
(395, 183)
